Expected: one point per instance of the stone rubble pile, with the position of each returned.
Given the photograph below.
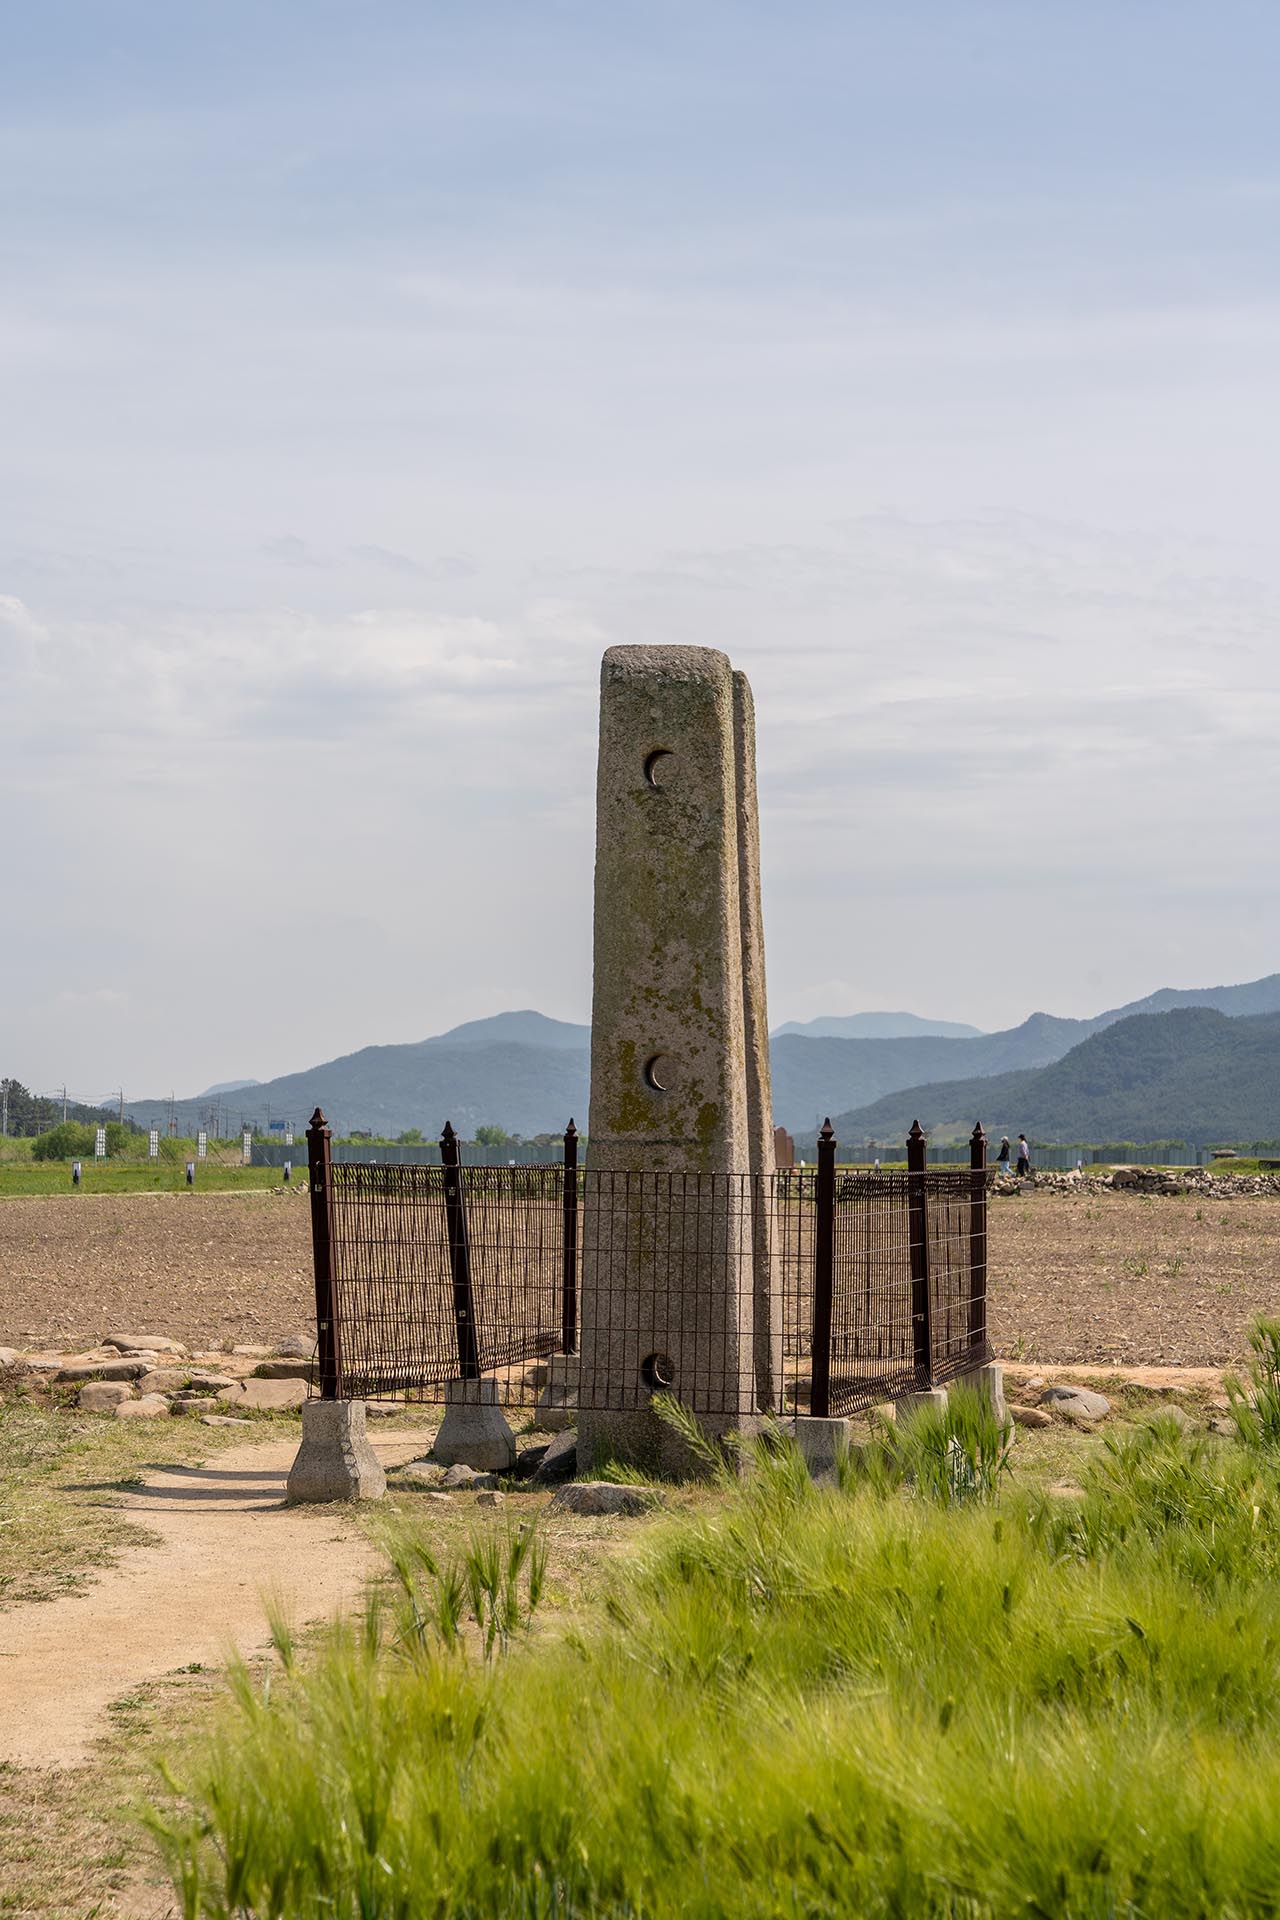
(149, 1376)
(1161, 1180)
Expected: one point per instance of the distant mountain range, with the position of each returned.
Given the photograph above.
(528, 1073)
(877, 1026)
(1189, 1074)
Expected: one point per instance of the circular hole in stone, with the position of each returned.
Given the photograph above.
(655, 1072)
(658, 1371)
(653, 766)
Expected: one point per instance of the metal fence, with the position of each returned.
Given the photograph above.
(864, 1285)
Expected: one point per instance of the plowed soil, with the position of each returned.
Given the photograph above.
(1110, 1278)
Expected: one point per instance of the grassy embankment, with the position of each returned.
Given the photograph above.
(892, 1696)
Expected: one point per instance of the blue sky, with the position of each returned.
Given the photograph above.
(366, 369)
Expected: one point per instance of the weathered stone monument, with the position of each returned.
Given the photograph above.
(679, 1290)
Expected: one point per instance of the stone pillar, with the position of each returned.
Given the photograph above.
(670, 1296)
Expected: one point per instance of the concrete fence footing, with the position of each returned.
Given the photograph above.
(335, 1460)
(474, 1432)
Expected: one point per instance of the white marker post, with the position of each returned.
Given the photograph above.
(202, 1145)
(153, 1144)
(100, 1144)
(246, 1148)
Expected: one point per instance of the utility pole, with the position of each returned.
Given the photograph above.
(4, 1109)
(64, 1103)
(122, 1106)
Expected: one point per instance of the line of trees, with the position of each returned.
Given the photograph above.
(27, 1115)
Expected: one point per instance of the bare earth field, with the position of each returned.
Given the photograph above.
(1107, 1277)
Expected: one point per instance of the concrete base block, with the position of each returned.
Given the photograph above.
(474, 1432)
(822, 1442)
(557, 1406)
(988, 1381)
(335, 1460)
(908, 1405)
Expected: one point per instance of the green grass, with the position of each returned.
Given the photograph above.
(33, 1177)
(896, 1696)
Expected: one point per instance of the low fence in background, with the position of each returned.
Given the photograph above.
(875, 1282)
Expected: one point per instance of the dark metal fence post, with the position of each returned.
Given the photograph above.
(455, 1213)
(569, 1301)
(977, 1239)
(320, 1172)
(918, 1233)
(824, 1241)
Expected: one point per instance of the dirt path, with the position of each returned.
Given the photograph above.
(225, 1542)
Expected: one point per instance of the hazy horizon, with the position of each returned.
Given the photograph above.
(368, 372)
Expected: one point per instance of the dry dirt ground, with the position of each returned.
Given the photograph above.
(1108, 1277)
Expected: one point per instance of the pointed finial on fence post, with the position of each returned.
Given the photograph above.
(827, 1132)
(447, 1132)
(978, 1131)
(917, 1131)
(571, 1131)
(318, 1122)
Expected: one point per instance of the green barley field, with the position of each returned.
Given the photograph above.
(919, 1691)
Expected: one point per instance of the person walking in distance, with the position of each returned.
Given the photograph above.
(1002, 1158)
(1024, 1156)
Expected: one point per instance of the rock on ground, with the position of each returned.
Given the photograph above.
(103, 1396)
(491, 1497)
(150, 1407)
(603, 1496)
(467, 1478)
(266, 1396)
(99, 1370)
(1031, 1417)
(559, 1461)
(295, 1346)
(1077, 1403)
(163, 1380)
(142, 1343)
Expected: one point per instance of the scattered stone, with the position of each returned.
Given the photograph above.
(103, 1396)
(211, 1382)
(559, 1461)
(491, 1497)
(1036, 1380)
(163, 1380)
(1077, 1403)
(252, 1353)
(1179, 1415)
(603, 1496)
(1031, 1416)
(99, 1370)
(142, 1343)
(1227, 1428)
(285, 1370)
(467, 1477)
(9, 1356)
(189, 1402)
(536, 1376)
(222, 1420)
(382, 1410)
(275, 1396)
(421, 1473)
(294, 1346)
(151, 1407)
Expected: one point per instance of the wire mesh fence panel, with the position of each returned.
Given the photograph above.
(794, 1225)
(392, 1281)
(954, 1348)
(871, 1332)
(650, 1282)
(515, 1229)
